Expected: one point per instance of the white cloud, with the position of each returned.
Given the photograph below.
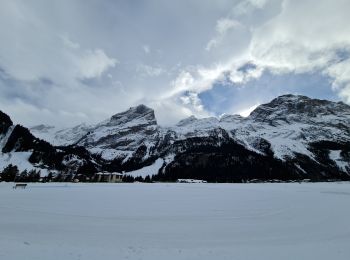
(146, 49)
(68, 43)
(71, 50)
(341, 73)
(169, 111)
(86, 63)
(302, 37)
(241, 77)
(92, 63)
(246, 112)
(258, 3)
(195, 79)
(146, 70)
(192, 100)
(223, 26)
(248, 6)
(31, 49)
(183, 82)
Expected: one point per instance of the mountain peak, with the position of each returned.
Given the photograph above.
(135, 113)
(5, 122)
(141, 109)
(42, 128)
(311, 135)
(230, 118)
(295, 107)
(187, 121)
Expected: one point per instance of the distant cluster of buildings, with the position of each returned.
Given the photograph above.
(109, 177)
(190, 181)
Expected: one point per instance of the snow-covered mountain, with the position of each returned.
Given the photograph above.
(124, 135)
(60, 137)
(290, 137)
(291, 123)
(20, 148)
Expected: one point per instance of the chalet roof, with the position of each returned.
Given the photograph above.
(110, 173)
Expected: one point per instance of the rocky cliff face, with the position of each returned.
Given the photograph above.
(291, 137)
(126, 138)
(291, 124)
(19, 147)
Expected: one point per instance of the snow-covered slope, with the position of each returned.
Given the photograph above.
(20, 148)
(303, 133)
(116, 138)
(130, 133)
(293, 130)
(290, 123)
(61, 137)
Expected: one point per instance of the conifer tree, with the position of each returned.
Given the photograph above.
(9, 173)
(23, 176)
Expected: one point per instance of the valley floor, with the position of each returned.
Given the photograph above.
(175, 221)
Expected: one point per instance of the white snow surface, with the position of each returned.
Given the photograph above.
(337, 158)
(20, 159)
(147, 170)
(58, 221)
(56, 136)
(16, 158)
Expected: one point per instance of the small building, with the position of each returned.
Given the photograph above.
(190, 181)
(109, 177)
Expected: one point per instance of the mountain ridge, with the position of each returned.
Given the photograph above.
(290, 137)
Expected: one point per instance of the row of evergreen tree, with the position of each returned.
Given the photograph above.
(11, 173)
(129, 178)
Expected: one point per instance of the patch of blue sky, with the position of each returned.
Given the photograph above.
(228, 97)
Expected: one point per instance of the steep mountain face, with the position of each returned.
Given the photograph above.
(291, 124)
(116, 138)
(19, 147)
(126, 140)
(5, 123)
(291, 137)
(61, 137)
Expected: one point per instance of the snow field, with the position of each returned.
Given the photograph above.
(175, 221)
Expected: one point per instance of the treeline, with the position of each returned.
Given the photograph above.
(129, 179)
(11, 173)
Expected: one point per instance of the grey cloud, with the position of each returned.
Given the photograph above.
(64, 62)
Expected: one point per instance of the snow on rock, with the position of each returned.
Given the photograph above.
(20, 159)
(124, 133)
(5, 137)
(147, 170)
(16, 158)
(193, 127)
(342, 163)
(59, 137)
(288, 124)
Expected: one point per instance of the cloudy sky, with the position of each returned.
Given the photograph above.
(64, 62)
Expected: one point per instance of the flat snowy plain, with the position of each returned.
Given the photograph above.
(175, 221)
